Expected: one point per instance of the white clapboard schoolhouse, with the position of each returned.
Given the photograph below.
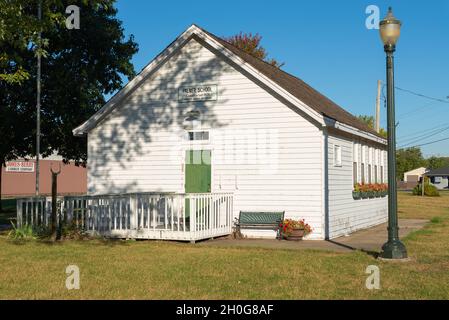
(206, 118)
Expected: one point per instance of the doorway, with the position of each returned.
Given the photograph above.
(198, 174)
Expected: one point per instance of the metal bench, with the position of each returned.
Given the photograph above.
(260, 220)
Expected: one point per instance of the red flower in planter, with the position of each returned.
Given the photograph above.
(288, 225)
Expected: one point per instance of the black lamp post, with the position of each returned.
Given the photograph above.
(390, 30)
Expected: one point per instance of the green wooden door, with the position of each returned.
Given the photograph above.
(198, 171)
(197, 174)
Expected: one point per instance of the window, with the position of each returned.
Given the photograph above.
(369, 174)
(337, 156)
(381, 174)
(375, 174)
(198, 135)
(363, 173)
(356, 161)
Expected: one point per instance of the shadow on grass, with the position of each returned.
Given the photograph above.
(374, 254)
(62, 242)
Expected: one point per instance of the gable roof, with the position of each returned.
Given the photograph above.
(299, 89)
(294, 86)
(420, 169)
(438, 172)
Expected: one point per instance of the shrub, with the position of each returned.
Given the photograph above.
(429, 190)
(28, 232)
(72, 232)
(25, 232)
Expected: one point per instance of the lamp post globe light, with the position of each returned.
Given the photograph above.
(390, 30)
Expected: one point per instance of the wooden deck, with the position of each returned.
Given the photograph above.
(162, 216)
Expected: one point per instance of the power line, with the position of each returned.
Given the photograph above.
(422, 95)
(418, 109)
(425, 131)
(426, 136)
(403, 115)
(432, 142)
(420, 134)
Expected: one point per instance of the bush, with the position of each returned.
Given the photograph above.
(72, 232)
(429, 190)
(28, 232)
(25, 232)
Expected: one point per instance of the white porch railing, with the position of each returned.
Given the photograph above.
(165, 216)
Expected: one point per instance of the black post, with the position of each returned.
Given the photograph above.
(394, 248)
(54, 199)
(1, 176)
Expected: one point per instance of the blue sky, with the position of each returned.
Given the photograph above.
(326, 44)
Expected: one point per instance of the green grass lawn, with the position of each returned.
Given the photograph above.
(167, 270)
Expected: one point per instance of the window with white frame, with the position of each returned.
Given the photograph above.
(363, 173)
(198, 135)
(355, 163)
(374, 163)
(362, 169)
(337, 156)
(370, 165)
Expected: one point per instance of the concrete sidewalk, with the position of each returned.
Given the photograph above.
(370, 240)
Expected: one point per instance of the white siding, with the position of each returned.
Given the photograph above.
(347, 215)
(264, 152)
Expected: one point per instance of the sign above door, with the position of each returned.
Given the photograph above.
(198, 93)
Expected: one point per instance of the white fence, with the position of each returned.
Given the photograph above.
(188, 217)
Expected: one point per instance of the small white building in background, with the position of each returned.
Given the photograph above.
(439, 178)
(414, 175)
(251, 129)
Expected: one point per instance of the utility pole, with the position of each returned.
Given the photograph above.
(423, 184)
(38, 98)
(377, 120)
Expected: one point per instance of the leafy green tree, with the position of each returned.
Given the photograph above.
(437, 162)
(408, 159)
(79, 68)
(251, 44)
(369, 121)
(19, 28)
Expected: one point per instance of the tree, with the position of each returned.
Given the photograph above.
(80, 67)
(251, 44)
(19, 26)
(369, 121)
(408, 159)
(437, 162)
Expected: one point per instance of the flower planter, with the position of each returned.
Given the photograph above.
(356, 195)
(369, 191)
(295, 235)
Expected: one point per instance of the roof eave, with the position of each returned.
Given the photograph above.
(354, 131)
